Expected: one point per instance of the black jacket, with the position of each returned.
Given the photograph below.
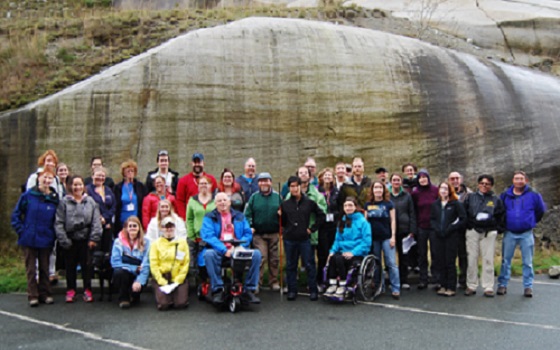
(140, 190)
(485, 212)
(296, 218)
(447, 220)
(150, 180)
(406, 215)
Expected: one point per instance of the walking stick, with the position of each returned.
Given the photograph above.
(281, 245)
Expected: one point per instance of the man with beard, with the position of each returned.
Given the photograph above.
(171, 177)
(188, 184)
(357, 186)
(262, 215)
(312, 166)
(455, 179)
(248, 181)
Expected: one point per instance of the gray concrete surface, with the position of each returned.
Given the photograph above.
(420, 319)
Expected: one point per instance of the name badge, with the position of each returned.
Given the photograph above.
(482, 216)
(330, 217)
(180, 256)
(228, 236)
(130, 207)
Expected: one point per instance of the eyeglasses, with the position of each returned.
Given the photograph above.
(487, 184)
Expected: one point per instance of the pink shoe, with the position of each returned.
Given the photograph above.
(70, 296)
(88, 297)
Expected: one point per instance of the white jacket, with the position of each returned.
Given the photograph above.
(153, 231)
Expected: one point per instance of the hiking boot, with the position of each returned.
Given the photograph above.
(250, 297)
(218, 297)
(470, 292)
(34, 302)
(396, 295)
(502, 290)
(441, 291)
(88, 297)
(124, 304)
(70, 296)
(489, 293)
(331, 290)
(528, 292)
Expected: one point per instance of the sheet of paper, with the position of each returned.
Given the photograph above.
(407, 243)
(168, 288)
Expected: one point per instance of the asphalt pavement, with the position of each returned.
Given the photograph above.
(420, 320)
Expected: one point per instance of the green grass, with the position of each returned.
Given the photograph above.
(12, 272)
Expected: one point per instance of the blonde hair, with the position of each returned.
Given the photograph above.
(129, 164)
(171, 211)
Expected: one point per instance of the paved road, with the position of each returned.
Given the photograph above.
(420, 319)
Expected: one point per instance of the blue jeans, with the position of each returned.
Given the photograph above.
(293, 250)
(526, 243)
(213, 262)
(390, 258)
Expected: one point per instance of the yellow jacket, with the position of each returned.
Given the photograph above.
(169, 256)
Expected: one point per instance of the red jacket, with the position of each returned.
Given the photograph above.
(188, 187)
(150, 206)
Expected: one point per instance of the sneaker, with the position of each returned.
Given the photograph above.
(49, 300)
(501, 290)
(396, 295)
(441, 291)
(405, 286)
(528, 292)
(331, 290)
(70, 296)
(275, 287)
(470, 292)
(218, 297)
(124, 304)
(340, 291)
(34, 302)
(251, 298)
(88, 297)
(450, 293)
(489, 293)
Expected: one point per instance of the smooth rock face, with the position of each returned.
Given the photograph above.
(284, 89)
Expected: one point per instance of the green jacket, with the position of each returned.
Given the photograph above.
(195, 215)
(262, 212)
(316, 196)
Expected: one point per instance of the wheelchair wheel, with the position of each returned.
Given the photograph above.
(234, 304)
(369, 279)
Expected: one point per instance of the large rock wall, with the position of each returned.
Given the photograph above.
(281, 90)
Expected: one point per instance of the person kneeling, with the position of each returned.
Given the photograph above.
(169, 264)
(130, 262)
(226, 224)
(351, 244)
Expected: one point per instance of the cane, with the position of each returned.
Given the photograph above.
(281, 245)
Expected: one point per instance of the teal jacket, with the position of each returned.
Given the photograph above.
(356, 238)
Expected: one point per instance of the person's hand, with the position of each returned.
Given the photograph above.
(308, 231)
(136, 287)
(92, 244)
(392, 242)
(348, 255)
(253, 230)
(411, 235)
(228, 253)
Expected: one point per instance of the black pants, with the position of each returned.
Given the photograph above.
(403, 259)
(462, 252)
(425, 236)
(446, 251)
(78, 253)
(326, 240)
(123, 280)
(339, 266)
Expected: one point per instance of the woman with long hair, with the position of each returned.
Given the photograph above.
(327, 232)
(130, 195)
(406, 224)
(447, 218)
(62, 171)
(131, 262)
(78, 230)
(229, 186)
(164, 210)
(107, 203)
(351, 245)
(33, 220)
(150, 203)
(380, 212)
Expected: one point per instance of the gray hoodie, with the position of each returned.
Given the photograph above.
(77, 221)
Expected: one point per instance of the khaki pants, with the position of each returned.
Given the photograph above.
(178, 298)
(485, 245)
(267, 244)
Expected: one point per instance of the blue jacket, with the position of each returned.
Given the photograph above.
(120, 248)
(356, 238)
(212, 228)
(248, 188)
(523, 212)
(33, 219)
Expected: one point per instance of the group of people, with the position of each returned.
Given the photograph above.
(327, 220)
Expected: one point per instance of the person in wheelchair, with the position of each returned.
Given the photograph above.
(225, 224)
(352, 243)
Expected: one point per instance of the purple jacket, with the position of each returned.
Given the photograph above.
(523, 212)
(423, 197)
